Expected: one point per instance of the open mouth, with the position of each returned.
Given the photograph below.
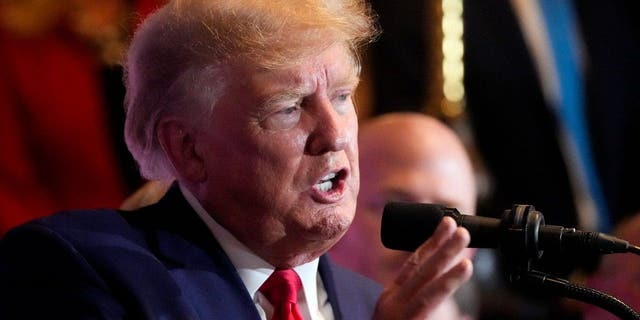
(330, 181)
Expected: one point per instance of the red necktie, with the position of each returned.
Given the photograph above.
(281, 289)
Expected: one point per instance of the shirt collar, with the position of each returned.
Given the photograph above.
(252, 269)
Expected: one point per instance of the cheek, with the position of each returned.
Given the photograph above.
(281, 155)
(355, 162)
(254, 142)
(279, 146)
(274, 165)
(296, 141)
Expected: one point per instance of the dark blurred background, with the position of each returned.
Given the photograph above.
(470, 63)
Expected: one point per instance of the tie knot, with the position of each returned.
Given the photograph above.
(281, 287)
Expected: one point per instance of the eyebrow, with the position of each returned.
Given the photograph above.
(352, 80)
(286, 95)
(295, 93)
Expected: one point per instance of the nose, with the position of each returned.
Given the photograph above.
(331, 131)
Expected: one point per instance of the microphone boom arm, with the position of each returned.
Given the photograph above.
(521, 235)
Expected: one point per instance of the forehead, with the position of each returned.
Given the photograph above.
(335, 66)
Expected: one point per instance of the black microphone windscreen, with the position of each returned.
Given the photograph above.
(405, 226)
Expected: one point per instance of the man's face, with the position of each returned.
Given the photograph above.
(281, 156)
(398, 165)
(443, 183)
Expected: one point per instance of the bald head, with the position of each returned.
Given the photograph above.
(403, 157)
(414, 157)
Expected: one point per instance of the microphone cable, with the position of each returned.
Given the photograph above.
(634, 249)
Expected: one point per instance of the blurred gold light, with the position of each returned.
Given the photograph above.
(453, 91)
(452, 70)
(452, 54)
(453, 48)
(452, 7)
(451, 24)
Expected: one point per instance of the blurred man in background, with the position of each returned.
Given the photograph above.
(407, 157)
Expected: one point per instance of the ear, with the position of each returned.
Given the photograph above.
(179, 143)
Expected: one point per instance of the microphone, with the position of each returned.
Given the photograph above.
(521, 231)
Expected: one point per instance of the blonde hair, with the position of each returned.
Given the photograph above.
(173, 61)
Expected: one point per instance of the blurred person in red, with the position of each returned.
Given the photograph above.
(405, 157)
(55, 129)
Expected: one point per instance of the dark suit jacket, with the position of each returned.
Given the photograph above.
(159, 262)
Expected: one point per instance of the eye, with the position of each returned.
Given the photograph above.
(344, 96)
(290, 110)
(342, 101)
(284, 118)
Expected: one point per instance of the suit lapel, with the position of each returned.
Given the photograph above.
(352, 296)
(183, 243)
(328, 280)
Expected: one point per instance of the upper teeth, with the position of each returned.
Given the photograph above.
(329, 176)
(326, 183)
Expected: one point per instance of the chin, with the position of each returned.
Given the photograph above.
(330, 227)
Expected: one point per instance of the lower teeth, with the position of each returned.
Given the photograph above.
(325, 186)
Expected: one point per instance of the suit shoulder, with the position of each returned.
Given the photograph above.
(94, 260)
(78, 226)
